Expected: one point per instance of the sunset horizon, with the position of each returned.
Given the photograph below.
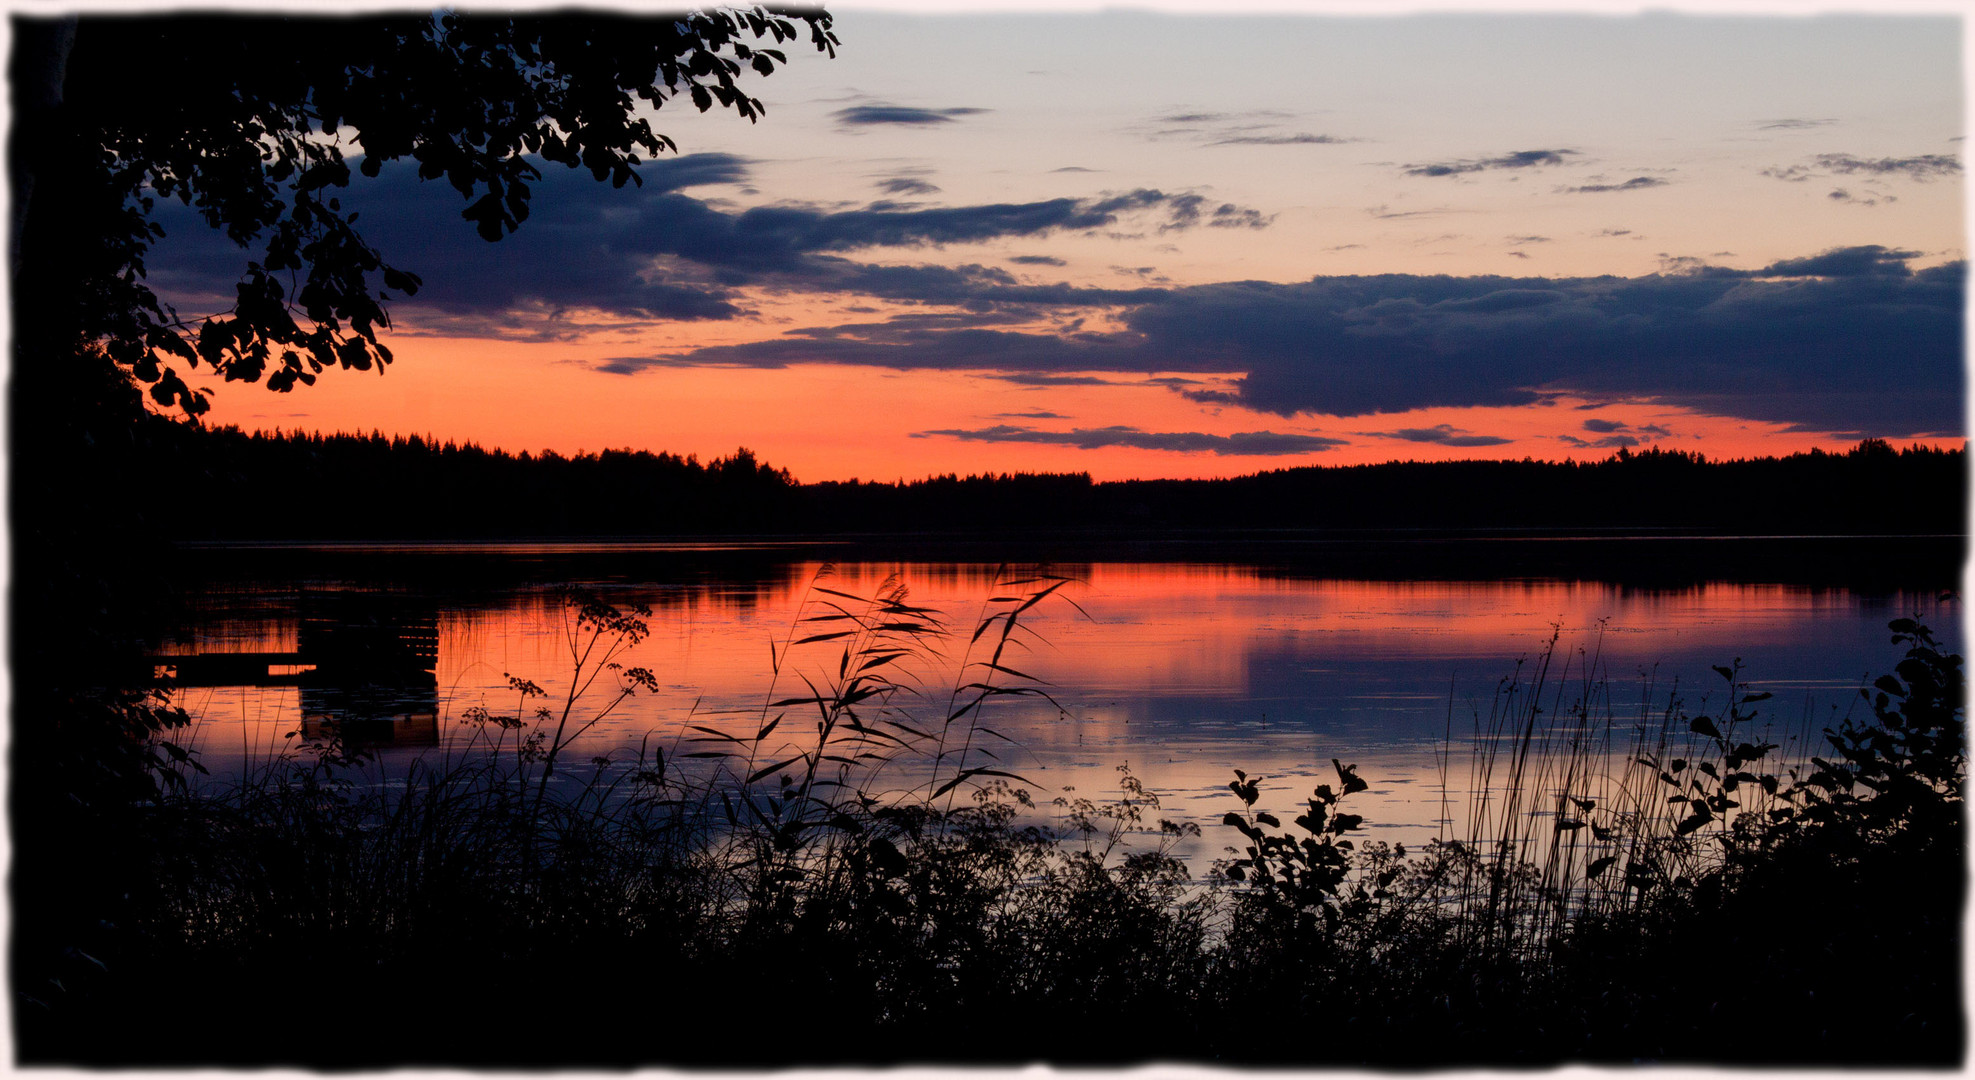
(1354, 246)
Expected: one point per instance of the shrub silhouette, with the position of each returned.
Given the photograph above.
(1812, 915)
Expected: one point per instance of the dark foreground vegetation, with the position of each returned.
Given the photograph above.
(785, 894)
(226, 484)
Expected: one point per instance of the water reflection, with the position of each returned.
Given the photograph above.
(1183, 672)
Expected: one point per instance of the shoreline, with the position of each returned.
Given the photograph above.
(1673, 559)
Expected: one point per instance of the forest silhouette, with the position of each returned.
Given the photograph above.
(301, 485)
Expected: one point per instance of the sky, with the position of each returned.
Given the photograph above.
(1174, 244)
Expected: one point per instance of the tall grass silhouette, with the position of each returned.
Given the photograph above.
(859, 862)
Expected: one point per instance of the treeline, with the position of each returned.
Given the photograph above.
(228, 484)
(1870, 489)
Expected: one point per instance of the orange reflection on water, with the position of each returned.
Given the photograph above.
(1183, 672)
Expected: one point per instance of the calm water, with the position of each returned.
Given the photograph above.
(1182, 672)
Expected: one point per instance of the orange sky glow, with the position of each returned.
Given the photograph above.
(964, 245)
(827, 422)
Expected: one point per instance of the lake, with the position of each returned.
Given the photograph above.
(1181, 670)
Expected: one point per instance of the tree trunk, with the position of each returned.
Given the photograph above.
(37, 71)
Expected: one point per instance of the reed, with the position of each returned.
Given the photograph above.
(858, 866)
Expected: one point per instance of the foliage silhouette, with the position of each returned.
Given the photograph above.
(247, 120)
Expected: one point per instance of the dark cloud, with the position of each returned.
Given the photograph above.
(1209, 397)
(1866, 260)
(1027, 378)
(1843, 196)
(1609, 442)
(1230, 216)
(975, 287)
(905, 346)
(1922, 167)
(1850, 339)
(1604, 427)
(866, 115)
(1615, 232)
(1529, 239)
(692, 170)
(1383, 213)
(1258, 127)
(584, 246)
(1842, 339)
(1298, 139)
(651, 252)
(907, 185)
(1039, 414)
(1037, 260)
(1689, 264)
(1792, 124)
(1191, 209)
(629, 365)
(1441, 434)
(1521, 159)
(1654, 430)
(787, 230)
(1635, 184)
(1247, 442)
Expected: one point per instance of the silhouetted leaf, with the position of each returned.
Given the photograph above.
(773, 769)
(832, 636)
(1017, 674)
